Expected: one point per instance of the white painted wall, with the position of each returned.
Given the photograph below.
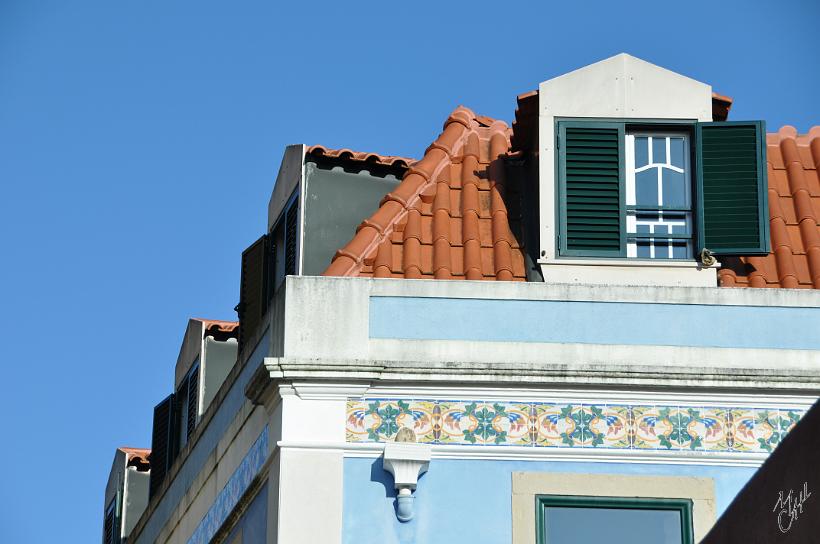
(218, 358)
(135, 498)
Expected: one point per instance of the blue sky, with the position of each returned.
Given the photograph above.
(139, 142)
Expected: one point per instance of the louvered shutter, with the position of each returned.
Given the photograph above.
(592, 200)
(291, 231)
(162, 443)
(108, 524)
(193, 402)
(732, 188)
(253, 289)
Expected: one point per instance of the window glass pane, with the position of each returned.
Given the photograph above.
(570, 525)
(674, 188)
(643, 249)
(680, 250)
(641, 151)
(646, 187)
(676, 152)
(658, 150)
(661, 250)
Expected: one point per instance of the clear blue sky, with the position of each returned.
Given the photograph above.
(139, 142)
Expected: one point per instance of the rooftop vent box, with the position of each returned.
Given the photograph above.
(327, 193)
(208, 350)
(207, 355)
(126, 494)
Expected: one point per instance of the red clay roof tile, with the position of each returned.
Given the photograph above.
(220, 330)
(347, 154)
(137, 457)
(720, 107)
(447, 218)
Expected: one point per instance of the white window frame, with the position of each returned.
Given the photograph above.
(630, 184)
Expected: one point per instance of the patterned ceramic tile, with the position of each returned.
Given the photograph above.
(571, 425)
(550, 424)
(614, 425)
(645, 425)
(740, 425)
(766, 433)
(515, 422)
(710, 426)
(772, 425)
(455, 423)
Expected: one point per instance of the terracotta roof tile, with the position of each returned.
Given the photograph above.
(720, 107)
(358, 156)
(448, 218)
(221, 330)
(137, 457)
(794, 210)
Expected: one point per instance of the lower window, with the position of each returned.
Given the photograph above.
(614, 520)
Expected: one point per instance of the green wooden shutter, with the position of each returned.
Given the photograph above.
(591, 189)
(733, 208)
(253, 297)
(162, 443)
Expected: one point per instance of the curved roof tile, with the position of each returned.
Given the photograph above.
(137, 457)
(348, 154)
(447, 219)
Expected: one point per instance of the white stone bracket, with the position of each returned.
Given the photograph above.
(406, 462)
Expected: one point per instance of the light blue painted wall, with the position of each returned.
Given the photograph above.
(595, 322)
(469, 501)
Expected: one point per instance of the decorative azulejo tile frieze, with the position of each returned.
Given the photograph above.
(569, 425)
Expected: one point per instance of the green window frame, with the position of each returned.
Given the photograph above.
(683, 506)
(728, 177)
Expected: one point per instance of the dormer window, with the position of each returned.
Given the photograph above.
(660, 190)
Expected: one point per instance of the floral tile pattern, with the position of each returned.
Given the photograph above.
(571, 425)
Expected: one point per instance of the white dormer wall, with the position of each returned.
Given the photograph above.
(620, 87)
(215, 358)
(132, 486)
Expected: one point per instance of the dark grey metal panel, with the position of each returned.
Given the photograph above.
(336, 202)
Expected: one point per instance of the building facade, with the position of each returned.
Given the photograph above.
(594, 367)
